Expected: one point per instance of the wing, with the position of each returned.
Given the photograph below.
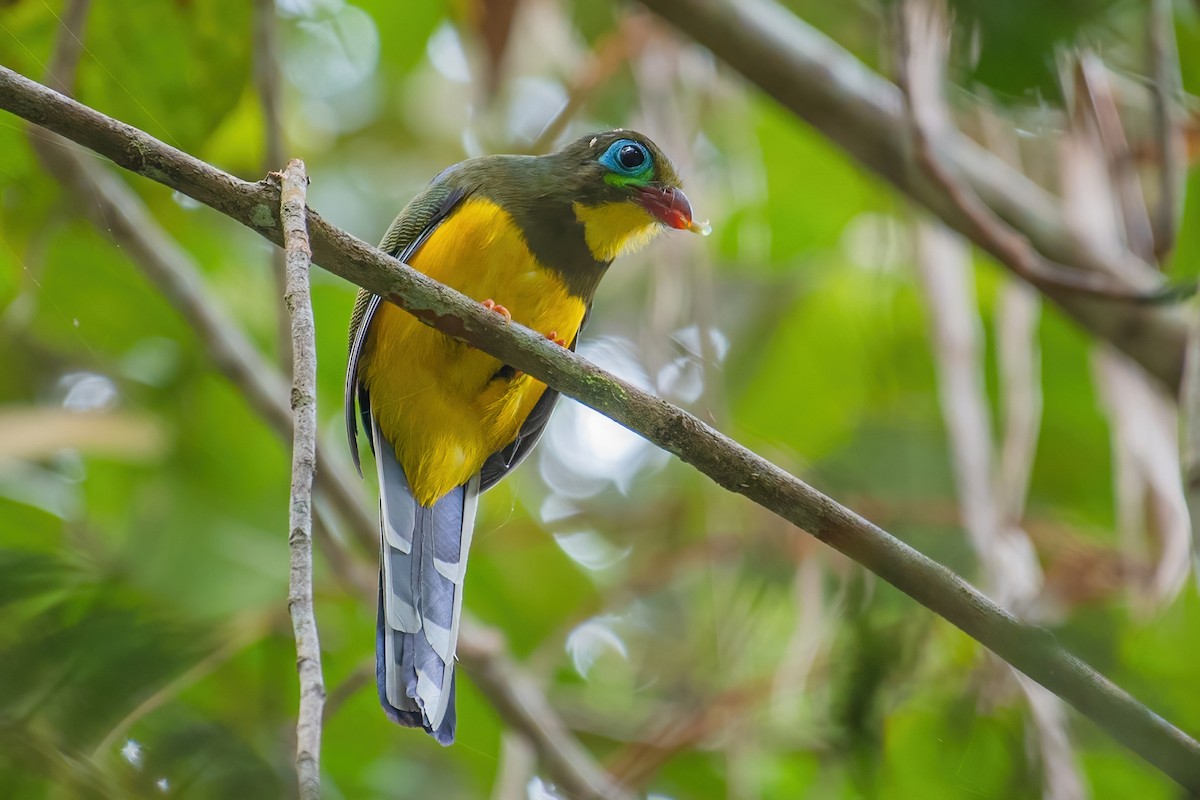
(408, 231)
(504, 461)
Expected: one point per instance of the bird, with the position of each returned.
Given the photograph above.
(528, 237)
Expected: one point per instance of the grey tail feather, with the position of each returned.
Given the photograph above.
(423, 560)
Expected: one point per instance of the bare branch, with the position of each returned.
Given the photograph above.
(1061, 776)
(863, 114)
(292, 196)
(1032, 650)
(268, 84)
(1002, 548)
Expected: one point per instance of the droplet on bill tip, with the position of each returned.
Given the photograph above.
(702, 228)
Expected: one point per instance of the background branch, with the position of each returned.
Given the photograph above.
(1104, 206)
(862, 113)
(922, 52)
(1030, 649)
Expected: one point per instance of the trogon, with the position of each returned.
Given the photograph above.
(529, 237)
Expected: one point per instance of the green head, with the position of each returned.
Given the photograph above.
(622, 189)
(624, 167)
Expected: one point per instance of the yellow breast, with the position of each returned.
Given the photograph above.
(612, 229)
(445, 406)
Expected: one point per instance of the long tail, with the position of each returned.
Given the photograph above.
(423, 560)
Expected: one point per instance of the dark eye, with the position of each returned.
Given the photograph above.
(631, 156)
(629, 161)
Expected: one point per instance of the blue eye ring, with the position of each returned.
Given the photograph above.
(628, 158)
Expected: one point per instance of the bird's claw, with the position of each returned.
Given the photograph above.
(553, 336)
(492, 305)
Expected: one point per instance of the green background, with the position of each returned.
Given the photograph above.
(653, 608)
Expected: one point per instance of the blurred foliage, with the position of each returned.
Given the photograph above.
(1016, 58)
(144, 643)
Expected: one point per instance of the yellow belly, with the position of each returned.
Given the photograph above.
(437, 400)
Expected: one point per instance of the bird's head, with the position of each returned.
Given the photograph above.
(624, 191)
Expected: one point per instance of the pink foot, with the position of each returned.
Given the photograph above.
(492, 305)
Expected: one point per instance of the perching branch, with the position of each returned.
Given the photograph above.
(298, 257)
(863, 114)
(1032, 650)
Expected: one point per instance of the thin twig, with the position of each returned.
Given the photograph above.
(1032, 650)
(948, 287)
(292, 196)
(812, 633)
